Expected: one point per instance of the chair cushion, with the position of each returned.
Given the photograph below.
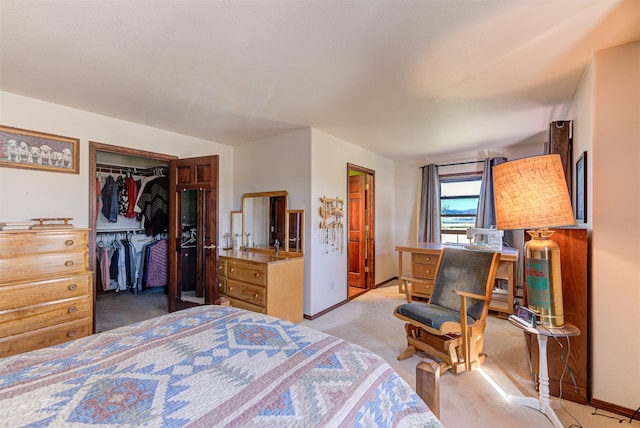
(430, 315)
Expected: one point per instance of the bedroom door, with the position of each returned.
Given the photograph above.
(193, 232)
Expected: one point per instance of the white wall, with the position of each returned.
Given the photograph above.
(26, 194)
(329, 159)
(609, 100)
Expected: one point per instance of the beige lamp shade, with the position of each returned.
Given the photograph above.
(531, 193)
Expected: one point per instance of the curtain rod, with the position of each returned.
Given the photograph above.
(458, 163)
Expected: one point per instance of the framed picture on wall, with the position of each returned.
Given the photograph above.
(21, 148)
(581, 185)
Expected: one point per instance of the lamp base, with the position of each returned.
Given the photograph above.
(544, 279)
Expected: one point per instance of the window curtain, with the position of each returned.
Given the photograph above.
(486, 216)
(429, 221)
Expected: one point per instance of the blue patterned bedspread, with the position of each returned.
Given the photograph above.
(203, 367)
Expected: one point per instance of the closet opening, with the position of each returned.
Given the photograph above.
(128, 244)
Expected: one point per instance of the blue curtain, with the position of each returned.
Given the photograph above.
(429, 221)
(486, 216)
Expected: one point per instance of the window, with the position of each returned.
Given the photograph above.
(459, 195)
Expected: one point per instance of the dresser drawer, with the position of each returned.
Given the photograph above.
(44, 337)
(252, 273)
(15, 295)
(20, 320)
(249, 293)
(423, 271)
(222, 268)
(31, 242)
(422, 289)
(47, 264)
(247, 306)
(426, 259)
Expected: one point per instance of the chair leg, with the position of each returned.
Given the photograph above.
(407, 353)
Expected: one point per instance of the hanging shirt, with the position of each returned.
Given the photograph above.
(154, 202)
(123, 196)
(110, 199)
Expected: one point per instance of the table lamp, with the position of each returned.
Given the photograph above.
(531, 193)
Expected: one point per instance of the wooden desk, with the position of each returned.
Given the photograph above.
(424, 259)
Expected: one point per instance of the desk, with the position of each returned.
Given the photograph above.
(424, 259)
(542, 403)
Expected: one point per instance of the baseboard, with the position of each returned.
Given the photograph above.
(614, 408)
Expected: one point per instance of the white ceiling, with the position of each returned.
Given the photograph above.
(402, 79)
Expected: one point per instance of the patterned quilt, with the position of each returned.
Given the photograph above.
(203, 367)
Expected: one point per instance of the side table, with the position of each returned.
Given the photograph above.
(542, 403)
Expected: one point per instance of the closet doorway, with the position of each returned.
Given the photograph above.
(129, 303)
(360, 219)
(189, 214)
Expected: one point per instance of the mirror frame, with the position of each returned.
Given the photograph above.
(237, 221)
(284, 193)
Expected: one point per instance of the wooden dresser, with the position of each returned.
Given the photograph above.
(263, 283)
(424, 264)
(46, 297)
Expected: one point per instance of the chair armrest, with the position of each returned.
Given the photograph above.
(471, 295)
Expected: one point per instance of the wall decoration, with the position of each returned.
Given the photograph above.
(581, 188)
(331, 227)
(20, 148)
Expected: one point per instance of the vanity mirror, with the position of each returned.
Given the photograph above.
(266, 220)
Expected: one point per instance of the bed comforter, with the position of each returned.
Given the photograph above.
(207, 366)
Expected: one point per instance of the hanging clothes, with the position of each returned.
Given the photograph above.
(123, 196)
(154, 203)
(132, 194)
(110, 199)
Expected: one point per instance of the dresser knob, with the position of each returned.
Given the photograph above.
(72, 309)
(257, 274)
(73, 286)
(68, 242)
(72, 333)
(230, 288)
(232, 270)
(255, 295)
(68, 263)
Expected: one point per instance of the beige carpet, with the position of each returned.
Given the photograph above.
(467, 399)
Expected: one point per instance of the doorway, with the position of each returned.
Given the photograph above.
(360, 219)
(187, 182)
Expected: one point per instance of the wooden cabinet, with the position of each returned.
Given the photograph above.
(263, 283)
(573, 243)
(423, 268)
(46, 293)
(424, 263)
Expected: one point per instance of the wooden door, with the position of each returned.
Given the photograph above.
(277, 208)
(193, 231)
(357, 234)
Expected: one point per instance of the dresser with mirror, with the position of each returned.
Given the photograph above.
(262, 268)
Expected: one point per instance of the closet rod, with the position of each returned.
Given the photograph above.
(457, 163)
(134, 231)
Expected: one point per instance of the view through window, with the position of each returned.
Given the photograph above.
(458, 205)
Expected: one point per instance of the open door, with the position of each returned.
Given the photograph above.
(193, 232)
(360, 218)
(357, 233)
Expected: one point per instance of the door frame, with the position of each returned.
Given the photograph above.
(369, 220)
(95, 147)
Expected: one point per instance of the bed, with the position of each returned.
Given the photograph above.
(207, 366)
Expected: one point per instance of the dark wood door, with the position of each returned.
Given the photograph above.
(356, 252)
(193, 232)
(277, 208)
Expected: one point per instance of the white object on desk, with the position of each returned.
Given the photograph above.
(542, 403)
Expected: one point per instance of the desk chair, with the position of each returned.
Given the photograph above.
(451, 325)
